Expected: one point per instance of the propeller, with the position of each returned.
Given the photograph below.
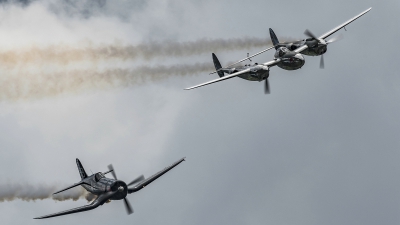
(334, 39)
(322, 41)
(140, 178)
(128, 206)
(111, 168)
(321, 62)
(266, 87)
(308, 33)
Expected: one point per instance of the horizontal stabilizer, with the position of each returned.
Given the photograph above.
(72, 186)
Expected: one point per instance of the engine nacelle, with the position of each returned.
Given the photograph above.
(261, 72)
(292, 47)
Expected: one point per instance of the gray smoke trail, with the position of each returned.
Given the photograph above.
(65, 54)
(28, 192)
(33, 86)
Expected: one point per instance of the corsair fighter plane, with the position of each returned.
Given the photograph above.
(107, 189)
(288, 56)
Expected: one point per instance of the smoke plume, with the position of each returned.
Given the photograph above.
(27, 85)
(28, 192)
(33, 81)
(65, 54)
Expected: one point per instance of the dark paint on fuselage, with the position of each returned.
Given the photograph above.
(100, 184)
(256, 73)
(289, 60)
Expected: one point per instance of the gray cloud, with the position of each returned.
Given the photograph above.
(84, 9)
(322, 148)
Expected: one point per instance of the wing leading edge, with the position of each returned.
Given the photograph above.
(269, 64)
(154, 177)
(97, 202)
(334, 30)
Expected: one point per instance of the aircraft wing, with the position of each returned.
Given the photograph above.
(98, 201)
(220, 79)
(329, 33)
(269, 64)
(154, 177)
(249, 57)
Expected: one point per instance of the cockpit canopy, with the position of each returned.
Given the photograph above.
(282, 51)
(98, 176)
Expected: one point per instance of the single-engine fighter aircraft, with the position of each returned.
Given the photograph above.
(108, 189)
(288, 56)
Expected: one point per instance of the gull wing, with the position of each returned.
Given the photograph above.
(98, 201)
(329, 33)
(147, 181)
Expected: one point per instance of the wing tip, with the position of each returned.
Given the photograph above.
(39, 218)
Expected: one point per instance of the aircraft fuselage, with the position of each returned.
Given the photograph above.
(289, 60)
(99, 184)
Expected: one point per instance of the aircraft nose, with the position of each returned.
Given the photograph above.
(121, 189)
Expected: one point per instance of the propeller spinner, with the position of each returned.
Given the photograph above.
(128, 206)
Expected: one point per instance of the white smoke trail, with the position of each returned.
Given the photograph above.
(24, 86)
(29, 192)
(65, 54)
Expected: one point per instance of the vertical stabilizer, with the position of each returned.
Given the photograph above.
(81, 170)
(274, 39)
(217, 65)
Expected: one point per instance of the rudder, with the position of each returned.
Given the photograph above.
(274, 39)
(81, 170)
(217, 65)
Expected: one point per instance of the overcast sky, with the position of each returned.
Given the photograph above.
(322, 148)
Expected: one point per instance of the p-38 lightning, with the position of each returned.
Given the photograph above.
(288, 56)
(108, 189)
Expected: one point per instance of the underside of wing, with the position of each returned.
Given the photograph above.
(75, 210)
(220, 79)
(98, 201)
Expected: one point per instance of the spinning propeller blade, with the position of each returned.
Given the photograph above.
(140, 178)
(110, 167)
(266, 87)
(321, 63)
(128, 207)
(310, 34)
(337, 38)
